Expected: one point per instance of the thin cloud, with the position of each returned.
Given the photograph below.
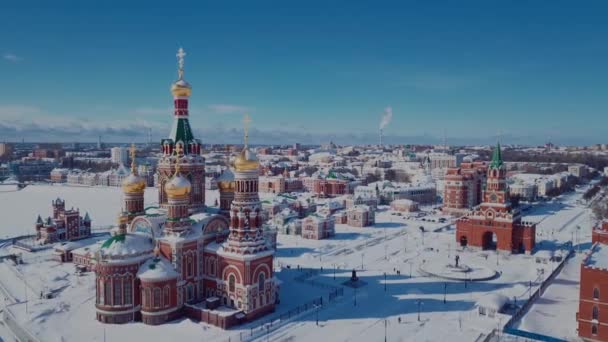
(11, 57)
(229, 109)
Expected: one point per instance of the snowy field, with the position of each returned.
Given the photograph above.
(398, 299)
(19, 209)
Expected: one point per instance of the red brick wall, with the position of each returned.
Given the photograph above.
(590, 279)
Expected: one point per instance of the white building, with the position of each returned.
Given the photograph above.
(119, 155)
(525, 191)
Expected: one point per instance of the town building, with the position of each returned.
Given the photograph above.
(495, 224)
(64, 225)
(523, 190)
(578, 170)
(119, 155)
(463, 187)
(6, 151)
(361, 216)
(318, 226)
(404, 205)
(59, 175)
(272, 184)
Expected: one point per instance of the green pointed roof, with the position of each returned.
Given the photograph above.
(39, 220)
(496, 157)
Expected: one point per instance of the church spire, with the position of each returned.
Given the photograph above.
(496, 157)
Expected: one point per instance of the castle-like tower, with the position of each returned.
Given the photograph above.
(193, 164)
(494, 224)
(178, 191)
(247, 258)
(496, 193)
(246, 234)
(133, 188)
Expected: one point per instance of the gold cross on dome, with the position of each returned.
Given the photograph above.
(133, 165)
(178, 151)
(246, 122)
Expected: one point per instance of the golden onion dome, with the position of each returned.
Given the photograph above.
(181, 88)
(178, 186)
(133, 184)
(225, 182)
(246, 161)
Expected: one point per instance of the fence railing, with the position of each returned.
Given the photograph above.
(22, 334)
(278, 320)
(509, 329)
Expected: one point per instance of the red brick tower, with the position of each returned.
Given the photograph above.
(193, 164)
(494, 224)
(246, 259)
(178, 191)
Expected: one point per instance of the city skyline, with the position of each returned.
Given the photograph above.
(307, 73)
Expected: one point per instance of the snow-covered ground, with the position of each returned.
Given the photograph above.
(553, 314)
(19, 209)
(387, 257)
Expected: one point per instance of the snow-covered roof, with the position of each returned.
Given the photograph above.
(127, 244)
(226, 176)
(598, 257)
(157, 269)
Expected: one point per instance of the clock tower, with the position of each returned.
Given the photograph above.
(496, 194)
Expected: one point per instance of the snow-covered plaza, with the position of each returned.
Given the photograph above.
(403, 263)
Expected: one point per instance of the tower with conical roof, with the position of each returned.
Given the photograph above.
(192, 162)
(496, 191)
(495, 224)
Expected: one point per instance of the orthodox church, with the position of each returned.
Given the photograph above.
(181, 259)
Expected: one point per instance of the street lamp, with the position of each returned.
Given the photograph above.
(445, 291)
(362, 255)
(384, 281)
(334, 271)
(419, 303)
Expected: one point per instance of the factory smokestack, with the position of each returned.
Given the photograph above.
(386, 119)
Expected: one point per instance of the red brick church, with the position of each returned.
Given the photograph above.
(495, 224)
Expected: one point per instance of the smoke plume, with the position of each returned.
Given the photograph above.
(386, 118)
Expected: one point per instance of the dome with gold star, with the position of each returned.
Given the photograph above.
(246, 161)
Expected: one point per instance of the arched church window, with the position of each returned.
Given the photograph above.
(261, 281)
(231, 283)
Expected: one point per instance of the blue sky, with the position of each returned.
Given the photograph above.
(530, 71)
